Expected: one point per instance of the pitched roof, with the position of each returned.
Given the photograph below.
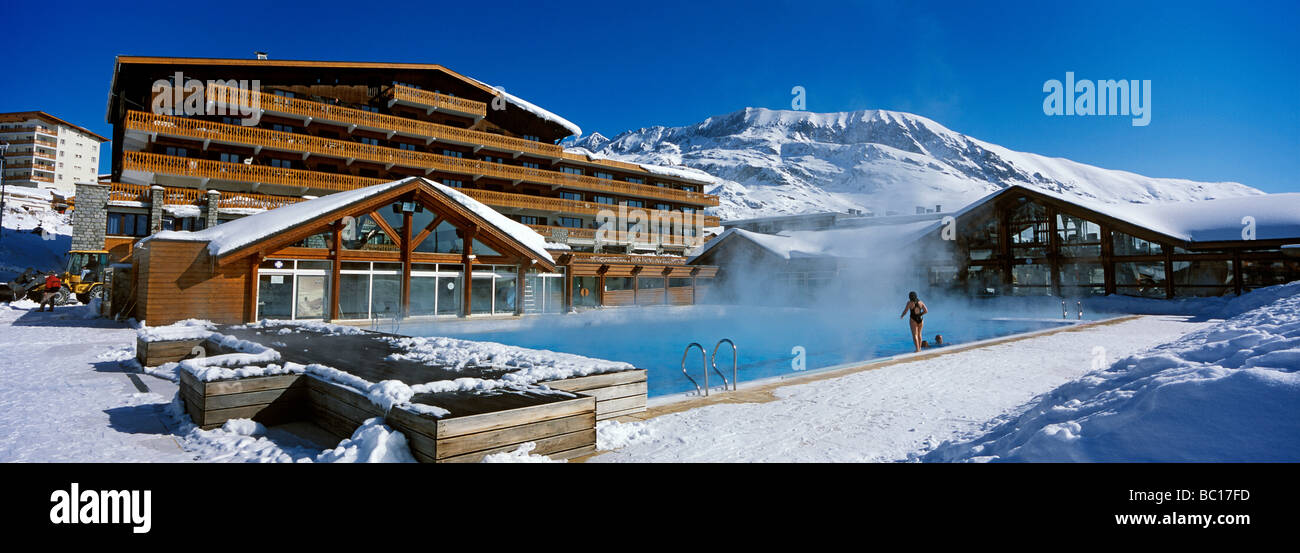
(238, 235)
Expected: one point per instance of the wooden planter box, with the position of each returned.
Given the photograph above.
(560, 429)
(265, 399)
(152, 354)
(617, 394)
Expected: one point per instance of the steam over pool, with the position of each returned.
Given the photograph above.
(654, 338)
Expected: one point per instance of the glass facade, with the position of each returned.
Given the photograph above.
(293, 289)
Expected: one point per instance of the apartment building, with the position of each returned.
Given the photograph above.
(47, 152)
(199, 142)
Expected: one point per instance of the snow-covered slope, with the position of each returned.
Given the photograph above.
(785, 162)
(33, 238)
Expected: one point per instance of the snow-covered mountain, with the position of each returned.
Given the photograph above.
(783, 162)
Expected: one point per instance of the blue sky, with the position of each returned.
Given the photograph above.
(1225, 76)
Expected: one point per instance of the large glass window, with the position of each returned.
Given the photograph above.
(584, 291)
(1031, 280)
(446, 238)
(1078, 237)
(1203, 277)
(1029, 230)
(363, 233)
(1126, 244)
(1146, 279)
(386, 290)
(506, 289)
(289, 289)
(1258, 273)
(481, 293)
(983, 280)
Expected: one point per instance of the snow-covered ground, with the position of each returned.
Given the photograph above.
(1173, 387)
(892, 413)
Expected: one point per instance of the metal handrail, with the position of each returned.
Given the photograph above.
(1080, 304)
(1064, 310)
(704, 361)
(735, 364)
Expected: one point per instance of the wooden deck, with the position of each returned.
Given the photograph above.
(559, 416)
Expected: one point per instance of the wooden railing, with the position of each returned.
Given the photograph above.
(207, 169)
(436, 100)
(126, 192)
(27, 177)
(229, 200)
(301, 143)
(221, 94)
(31, 128)
(36, 141)
(561, 233)
(27, 164)
(202, 168)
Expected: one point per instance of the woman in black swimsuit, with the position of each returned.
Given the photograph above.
(917, 309)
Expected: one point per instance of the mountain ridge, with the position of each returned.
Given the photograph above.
(777, 162)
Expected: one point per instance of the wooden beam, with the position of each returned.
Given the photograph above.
(406, 263)
(1053, 252)
(568, 291)
(1169, 271)
(336, 263)
(520, 286)
(250, 293)
(1236, 272)
(467, 246)
(1108, 259)
(390, 231)
(426, 232)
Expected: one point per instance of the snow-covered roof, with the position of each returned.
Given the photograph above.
(1276, 216)
(850, 243)
(231, 236)
(535, 242)
(534, 109)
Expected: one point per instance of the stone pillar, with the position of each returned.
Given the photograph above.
(157, 198)
(90, 216)
(213, 209)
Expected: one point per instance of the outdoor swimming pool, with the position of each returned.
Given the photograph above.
(654, 338)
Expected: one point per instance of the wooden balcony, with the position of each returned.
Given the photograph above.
(434, 101)
(34, 141)
(305, 144)
(126, 192)
(238, 172)
(31, 128)
(28, 177)
(564, 234)
(308, 110)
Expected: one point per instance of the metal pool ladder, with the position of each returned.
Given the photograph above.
(704, 364)
(735, 364)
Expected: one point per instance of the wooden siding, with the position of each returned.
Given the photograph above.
(178, 280)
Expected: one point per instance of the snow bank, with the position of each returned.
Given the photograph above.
(290, 327)
(615, 435)
(372, 442)
(529, 366)
(521, 455)
(1230, 392)
(244, 427)
(188, 329)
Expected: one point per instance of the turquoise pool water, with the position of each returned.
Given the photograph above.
(767, 338)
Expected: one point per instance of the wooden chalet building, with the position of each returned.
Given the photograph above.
(208, 148)
(1027, 242)
(408, 248)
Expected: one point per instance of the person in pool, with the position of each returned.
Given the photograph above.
(938, 340)
(917, 309)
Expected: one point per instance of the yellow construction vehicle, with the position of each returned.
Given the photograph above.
(83, 275)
